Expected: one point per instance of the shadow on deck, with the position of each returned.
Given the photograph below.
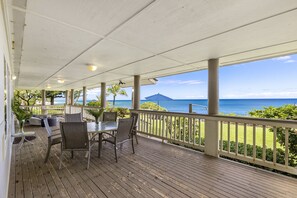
(156, 170)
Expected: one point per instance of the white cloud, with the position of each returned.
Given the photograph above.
(182, 82)
(283, 58)
(290, 61)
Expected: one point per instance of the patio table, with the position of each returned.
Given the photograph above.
(106, 126)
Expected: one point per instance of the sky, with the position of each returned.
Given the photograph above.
(270, 78)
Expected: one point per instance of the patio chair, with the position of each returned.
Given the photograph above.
(75, 138)
(134, 129)
(109, 116)
(53, 139)
(124, 134)
(75, 117)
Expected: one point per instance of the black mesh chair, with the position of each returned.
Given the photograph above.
(134, 129)
(109, 116)
(53, 138)
(75, 117)
(75, 138)
(124, 134)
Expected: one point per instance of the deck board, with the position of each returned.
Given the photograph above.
(156, 170)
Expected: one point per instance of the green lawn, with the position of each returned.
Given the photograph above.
(156, 130)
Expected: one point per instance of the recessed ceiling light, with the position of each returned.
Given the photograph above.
(92, 67)
(60, 81)
(48, 86)
(14, 77)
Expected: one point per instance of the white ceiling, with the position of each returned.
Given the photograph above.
(57, 39)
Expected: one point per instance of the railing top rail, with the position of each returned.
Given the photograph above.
(239, 119)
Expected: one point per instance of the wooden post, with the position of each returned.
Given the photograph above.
(84, 96)
(212, 127)
(43, 102)
(66, 97)
(103, 95)
(136, 97)
(190, 108)
(72, 97)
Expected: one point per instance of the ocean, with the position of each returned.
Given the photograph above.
(227, 106)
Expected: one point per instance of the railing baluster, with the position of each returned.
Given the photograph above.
(189, 129)
(286, 147)
(154, 131)
(163, 126)
(244, 139)
(175, 126)
(179, 129)
(274, 145)
(254, 142)
(228, 137)
(264, 143)
(236, 138)
(184, 129)
(221, 134)
(194, 131)
(199, 131)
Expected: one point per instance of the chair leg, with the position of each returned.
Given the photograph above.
(60, 166)
(115, 153)
(71, 154)
(135, 135)
(48, 151)
(132, 145)
(89, 157)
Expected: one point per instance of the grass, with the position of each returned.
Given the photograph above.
(156, 130)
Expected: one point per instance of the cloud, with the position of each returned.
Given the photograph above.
(290, 61)
(286, 59)
(283, 58)
(182, 82)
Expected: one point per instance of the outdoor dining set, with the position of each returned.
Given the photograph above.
(74, 134)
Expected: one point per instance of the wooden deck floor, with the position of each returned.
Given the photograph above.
(156, 170)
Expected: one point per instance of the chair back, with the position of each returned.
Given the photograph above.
(74, 135)
(47, 127)
(110, 116)
(75, 117)
(124, 129)
(135, 119)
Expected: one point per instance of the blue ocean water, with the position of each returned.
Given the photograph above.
(227, 106)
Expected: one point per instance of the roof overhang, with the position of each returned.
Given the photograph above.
(58, 39)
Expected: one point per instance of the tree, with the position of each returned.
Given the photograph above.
(116, 90)
(152, 106)
(286, 112)
(77, 94)
(27, 97)
(54, 94)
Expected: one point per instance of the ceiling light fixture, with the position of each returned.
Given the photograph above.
(60, 81)
(48, 86)
(14, 77)
(92, 67)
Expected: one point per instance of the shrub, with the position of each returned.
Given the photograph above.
(152, 106)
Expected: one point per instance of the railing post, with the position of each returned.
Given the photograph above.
(190, 108)
(212, 126)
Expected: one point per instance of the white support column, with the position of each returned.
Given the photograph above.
(72, 97)
(43, 101)
(43, 97)
(103, 95)
(84, 96)
(66, 97)
(136, 97)
(212, 127)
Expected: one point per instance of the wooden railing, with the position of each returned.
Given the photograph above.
(264, 142)
(46, 109)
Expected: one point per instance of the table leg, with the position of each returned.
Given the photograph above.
(100, 145)
(21, 143)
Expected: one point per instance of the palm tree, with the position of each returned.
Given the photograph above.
(116, 90)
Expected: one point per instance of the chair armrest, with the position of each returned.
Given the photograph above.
(108, 134)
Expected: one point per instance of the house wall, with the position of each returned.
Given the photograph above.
(6, 126)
